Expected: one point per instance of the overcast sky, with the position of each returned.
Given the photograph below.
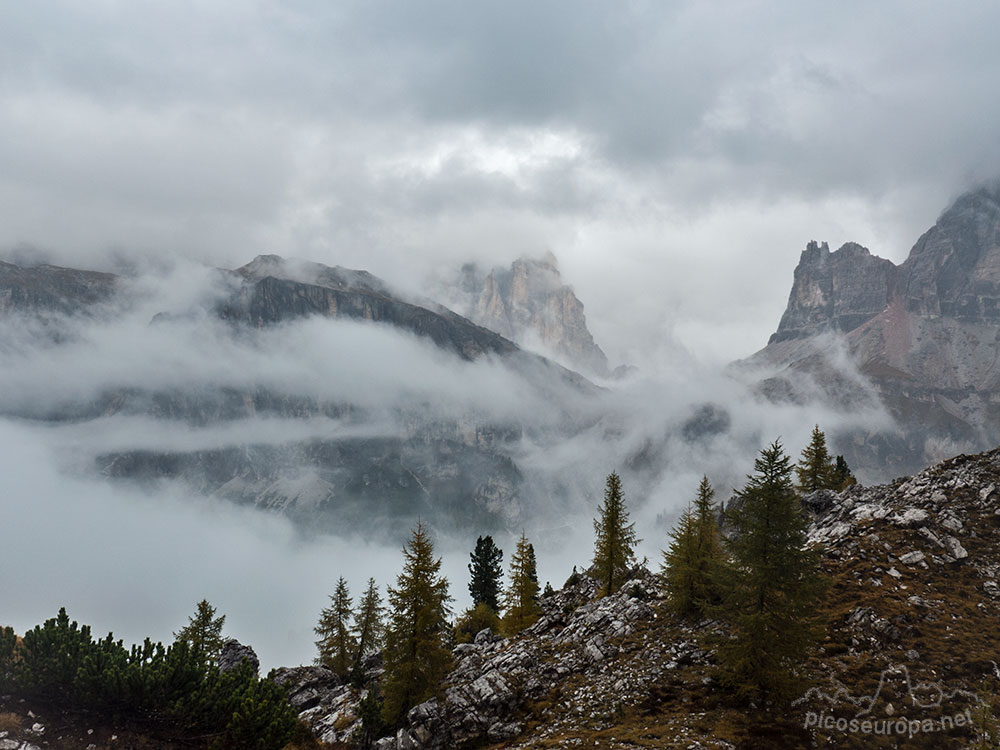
(676, 157)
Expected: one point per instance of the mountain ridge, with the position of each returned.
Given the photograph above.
(451, 466)
(924, 334)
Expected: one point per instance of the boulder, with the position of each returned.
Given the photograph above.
(235, 653)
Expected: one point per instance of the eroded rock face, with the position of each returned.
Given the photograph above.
(327, 703)
(954, 269)
(930, 506)
(529, 304)
(835, 291)
(919, 341)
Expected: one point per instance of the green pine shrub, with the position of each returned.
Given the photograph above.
(59, 662)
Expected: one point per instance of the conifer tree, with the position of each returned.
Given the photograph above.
(615, 539)
(475, 619)
(771, 587)
(532, 566)
(336, 644)
(521, 596)
(204, 631)
(486, 569)
(710, 553)
(690, 563)
(416, 653)
(816, 470)
(370, 714)
(844, 477)
(679, 564)
(369, 624)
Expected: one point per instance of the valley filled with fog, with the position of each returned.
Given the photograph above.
(153, 372)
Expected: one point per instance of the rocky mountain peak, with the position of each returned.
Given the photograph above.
(835, 291)
(954, 269)
(529, 304)
(308, 272)
(923, 335)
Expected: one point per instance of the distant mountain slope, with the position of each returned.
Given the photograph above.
(925, 334)
(48, 288)
(374, 465)
(276, 290)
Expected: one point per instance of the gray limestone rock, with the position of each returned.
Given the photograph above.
(52, 289)
(952, 271)
(529, 304)
(917, 341)
(235, 653)
(835, 291)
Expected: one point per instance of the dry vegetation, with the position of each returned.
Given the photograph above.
(948, 635)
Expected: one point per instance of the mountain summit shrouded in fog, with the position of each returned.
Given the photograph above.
(924, 334)
(529, 303)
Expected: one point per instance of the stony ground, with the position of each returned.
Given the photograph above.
(912, 634)
(29, 726)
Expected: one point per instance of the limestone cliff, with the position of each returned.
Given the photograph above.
(835, 291)
(529, 304)
(954, 269)
(925, 335)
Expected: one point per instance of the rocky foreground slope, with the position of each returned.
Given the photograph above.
(911, 634)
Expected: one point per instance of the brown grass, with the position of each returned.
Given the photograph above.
(957, 640)
(9, 722)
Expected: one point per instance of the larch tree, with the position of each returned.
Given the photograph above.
(690, 564)
(485, 571)
(204, 631)
(710, 553)
(416, 655)
(679, 564)
(770, 587)
(369, 624)
(521, 596)
(614, 546)
(336, 642)
(816, 470)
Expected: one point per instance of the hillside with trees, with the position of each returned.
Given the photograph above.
(775, 621)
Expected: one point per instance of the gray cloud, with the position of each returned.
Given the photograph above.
(682, 140)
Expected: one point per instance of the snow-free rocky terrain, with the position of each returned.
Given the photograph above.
(919, 340)
(915, 567)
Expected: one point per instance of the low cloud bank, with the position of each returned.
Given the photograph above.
(136, 560)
